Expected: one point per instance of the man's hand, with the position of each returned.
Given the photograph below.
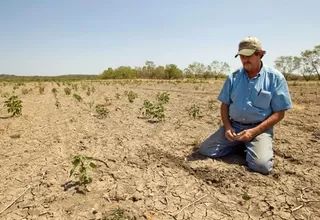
(245, 135)
(230, 134)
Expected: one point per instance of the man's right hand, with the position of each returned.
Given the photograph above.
(230, 134)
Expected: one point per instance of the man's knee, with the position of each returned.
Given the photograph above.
(208, 150)
(263, 166)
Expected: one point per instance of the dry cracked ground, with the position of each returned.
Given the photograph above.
(146, 169)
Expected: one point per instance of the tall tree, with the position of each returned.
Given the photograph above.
(311, 61)
(108, 74)
(195, 69)
(287, 64)
(173, 72)
(159, 73)
(148, 69)
(219, 68)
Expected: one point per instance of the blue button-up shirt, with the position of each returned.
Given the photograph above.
(253, 100)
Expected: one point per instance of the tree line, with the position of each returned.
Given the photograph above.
(306, 66)
(171, 71)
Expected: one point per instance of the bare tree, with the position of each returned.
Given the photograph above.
(287, 64)
(218, 68)
(311, 61)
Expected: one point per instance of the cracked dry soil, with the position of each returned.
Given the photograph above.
(153, 170)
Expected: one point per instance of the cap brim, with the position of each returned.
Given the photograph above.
(245, 52)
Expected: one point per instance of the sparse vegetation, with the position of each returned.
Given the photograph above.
(54, 91)
(14, 106)
(131, 96)
(163, 97)
(142, 152)
(117, 214)
(81, 170)
(41, 89)
(67, 90)
(153, 110)
(194, 111)
(77, 97)
(25, 91)
(102, 111)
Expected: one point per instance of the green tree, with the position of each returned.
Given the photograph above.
(159, 72)
(173, 72)
(287, 64)
(195, 69)
(108, 74)
(125, 72)
(148, 69)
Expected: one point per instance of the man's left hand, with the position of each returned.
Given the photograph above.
(245, 135)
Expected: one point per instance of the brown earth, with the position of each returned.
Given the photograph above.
(152, 170)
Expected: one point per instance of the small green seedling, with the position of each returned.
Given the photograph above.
(117, 214)
(75, 86)
(163, 97)
(102, 111)
(41, 89)
(80, 170)
(14, 105)
(131, 96)
(153, 110)
(194, 111)
(77, 97)
(54, 91)
(67, 90)
(15, 87)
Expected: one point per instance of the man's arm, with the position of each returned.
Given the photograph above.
(249, 134)
(230, 134)
(268, 123)
(224, 111)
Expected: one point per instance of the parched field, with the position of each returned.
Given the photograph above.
(150, 170)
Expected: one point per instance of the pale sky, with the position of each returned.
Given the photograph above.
(86, 37)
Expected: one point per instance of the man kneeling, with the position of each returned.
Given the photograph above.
(253, 99)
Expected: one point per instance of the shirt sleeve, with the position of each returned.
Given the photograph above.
(225, 92)
(281, 99)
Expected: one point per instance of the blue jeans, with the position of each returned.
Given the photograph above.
(259, 152)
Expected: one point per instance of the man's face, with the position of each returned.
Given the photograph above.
(251, 62)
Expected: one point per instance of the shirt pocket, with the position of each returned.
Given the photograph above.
(262, 99)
